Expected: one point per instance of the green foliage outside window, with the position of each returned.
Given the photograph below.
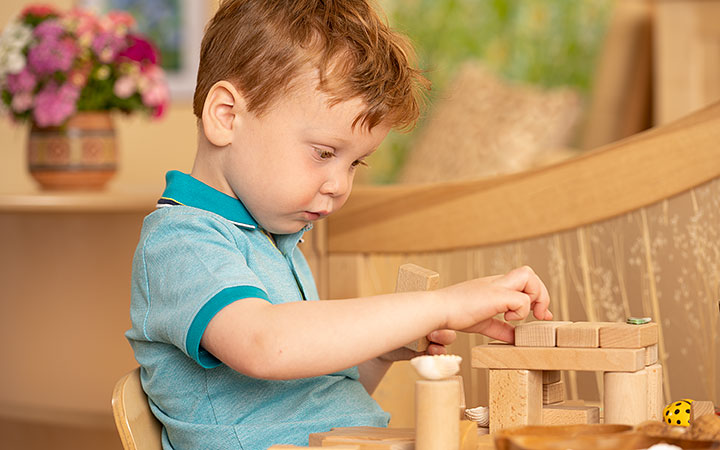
(543, 42)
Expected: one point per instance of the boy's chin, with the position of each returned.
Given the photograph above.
(287, 228)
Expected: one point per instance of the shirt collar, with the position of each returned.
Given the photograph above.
(183, 189)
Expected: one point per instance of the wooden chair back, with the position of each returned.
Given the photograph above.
(137, 426)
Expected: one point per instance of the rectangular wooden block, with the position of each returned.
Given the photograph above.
(581, 334)
(515, 398)
(570, 415)
(553, 392)
(701, 408)
(551, 376)
(651, 354)
(625, 335)
(554, 358)
(363, 433)
(655, 403)
(412, 277)
(537, 334)
(364, 444)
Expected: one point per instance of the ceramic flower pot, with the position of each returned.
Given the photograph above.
(80, 155)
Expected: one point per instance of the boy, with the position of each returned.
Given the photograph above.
(292, 96)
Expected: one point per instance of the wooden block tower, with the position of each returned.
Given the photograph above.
(526, 387)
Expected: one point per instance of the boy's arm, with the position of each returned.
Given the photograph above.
(373, 371)
(304, 339)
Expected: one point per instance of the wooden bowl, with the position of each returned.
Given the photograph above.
(587, 437)
(556, 432)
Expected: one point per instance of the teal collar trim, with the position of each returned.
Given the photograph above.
(183, 189)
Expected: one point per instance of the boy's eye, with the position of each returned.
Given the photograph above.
(359, 162)
(324, 154)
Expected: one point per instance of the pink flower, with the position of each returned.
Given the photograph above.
(155, 95)
(21, 102)
(139, 50)
(49, 29)
(53, 104)
(153, 87)
(158, 111)
(84, 23)
(107, 45)
(125, 87)
(21, 81)
(118, 21)
(51, 56)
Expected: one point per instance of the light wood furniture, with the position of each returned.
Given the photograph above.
(137, 426)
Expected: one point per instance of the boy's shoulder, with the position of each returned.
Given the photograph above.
(174, 221)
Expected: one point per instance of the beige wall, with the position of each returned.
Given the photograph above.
(147, 148)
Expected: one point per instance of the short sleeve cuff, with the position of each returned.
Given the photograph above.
(205, 315)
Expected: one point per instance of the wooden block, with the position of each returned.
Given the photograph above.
(486, 442)
(570, 415)
(412, 278)
(437, 422)
(537, 334)
(365, 444)
(364, 433)
(655, 403)
(699, 408)
(515, 398)
(580, 334)
(461, 392)
(651, 354)
(551, 376)
(468, 435)
(554, 358)
(553, 392)
(625, 335)
(625, 397)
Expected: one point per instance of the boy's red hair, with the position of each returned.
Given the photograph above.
(263, 45)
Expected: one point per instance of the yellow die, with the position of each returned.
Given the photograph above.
(678, 413)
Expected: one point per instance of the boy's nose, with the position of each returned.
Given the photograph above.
(336, 185)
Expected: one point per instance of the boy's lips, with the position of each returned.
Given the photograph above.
(315, 215)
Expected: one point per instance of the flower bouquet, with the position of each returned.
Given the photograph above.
(64, 72)
(54, 64)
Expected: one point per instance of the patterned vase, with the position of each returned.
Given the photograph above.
(80, 155)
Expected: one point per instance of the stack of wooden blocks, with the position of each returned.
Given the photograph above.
(525, 386)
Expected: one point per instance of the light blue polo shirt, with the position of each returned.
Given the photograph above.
(198, 252)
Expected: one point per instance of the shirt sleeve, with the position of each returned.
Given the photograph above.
(193, 267)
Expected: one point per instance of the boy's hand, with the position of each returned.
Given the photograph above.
(438, 340)
(474, 303)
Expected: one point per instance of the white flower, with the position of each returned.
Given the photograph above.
(12, 41)
(16, 36)
(15, 62)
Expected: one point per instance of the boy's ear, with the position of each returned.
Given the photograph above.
(223, 105)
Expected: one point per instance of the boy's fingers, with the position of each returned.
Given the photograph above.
(495, 329)
(540, 308)
(442, 337)
(436, 349)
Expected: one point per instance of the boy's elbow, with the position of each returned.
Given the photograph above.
(259, 360)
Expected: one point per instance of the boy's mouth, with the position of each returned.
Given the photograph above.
(315, 215)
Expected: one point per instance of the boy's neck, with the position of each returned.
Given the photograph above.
(208, 167)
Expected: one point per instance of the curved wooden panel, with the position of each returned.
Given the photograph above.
(614, 179)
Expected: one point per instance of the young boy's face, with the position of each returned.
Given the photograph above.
(295, 163)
